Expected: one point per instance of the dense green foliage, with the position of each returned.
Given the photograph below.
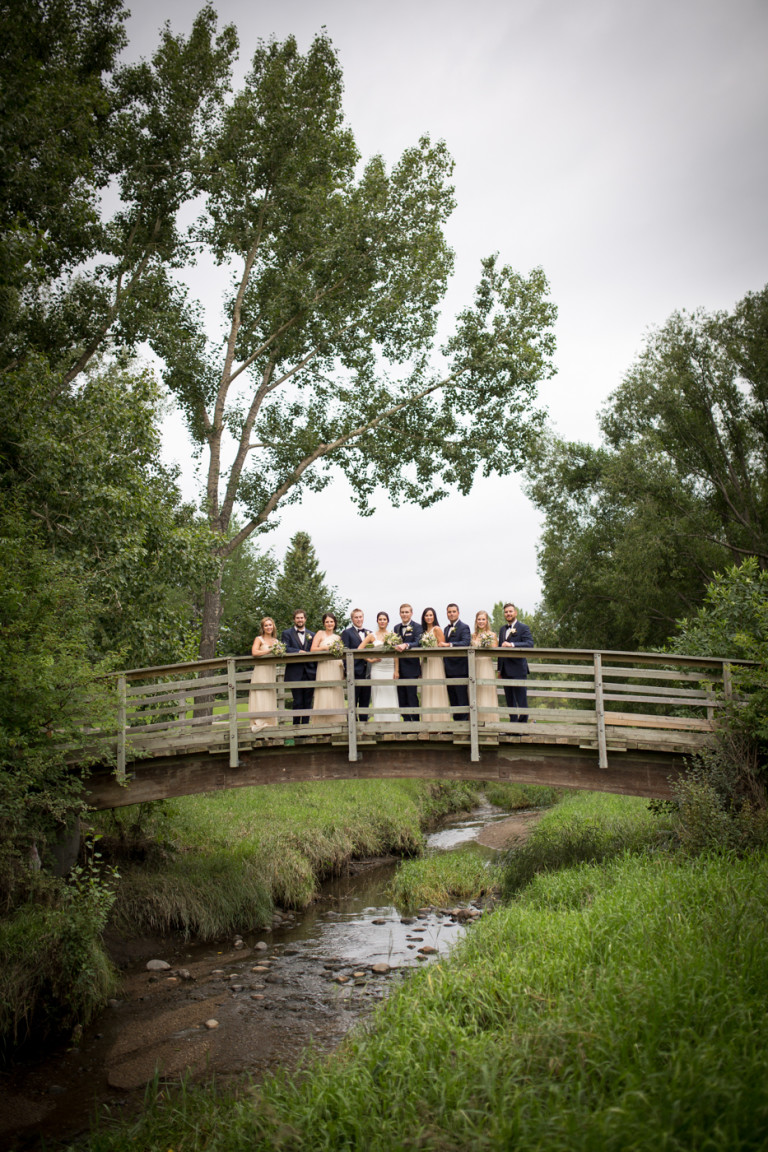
(681, 480)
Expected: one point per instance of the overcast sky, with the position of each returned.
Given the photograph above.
(621, 146)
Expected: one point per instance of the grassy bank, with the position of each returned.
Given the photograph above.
(615, 1005)
(229, 857)
(585, 827)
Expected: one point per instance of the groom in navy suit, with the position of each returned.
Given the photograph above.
(457, 635)
(514, 634)
(409, 669)
(299, 639)
(353, 637)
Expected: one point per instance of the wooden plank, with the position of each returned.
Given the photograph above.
(121, 726)
(474, 754)
(351, 713)
(600, 713)
(683, 723)
(232, 714)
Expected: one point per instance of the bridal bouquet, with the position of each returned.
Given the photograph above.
(336, 648)
(278, 648)
(487, 640)
(428, 640)
(391, 640)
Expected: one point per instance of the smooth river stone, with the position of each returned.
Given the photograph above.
(380, 969)
(157, 965)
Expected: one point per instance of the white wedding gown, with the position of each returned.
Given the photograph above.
(384, 696)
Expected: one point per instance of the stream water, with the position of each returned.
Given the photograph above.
(245, 1005)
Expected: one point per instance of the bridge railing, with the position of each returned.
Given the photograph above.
(597, 699)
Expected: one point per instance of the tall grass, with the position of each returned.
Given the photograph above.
(233, 855)
(584, 826)
(507, 794)
(442, 878)
(611, 1007)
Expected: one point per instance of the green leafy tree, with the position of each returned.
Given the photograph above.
(86, 468)
(48, 690)
(56, 57)
(636, 528)
(337, 281)
(301, 584)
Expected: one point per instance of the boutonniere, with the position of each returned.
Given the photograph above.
(511, 630)
(407, 629)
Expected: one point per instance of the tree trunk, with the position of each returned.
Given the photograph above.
(211, 620)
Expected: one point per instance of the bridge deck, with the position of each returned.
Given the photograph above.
(612, 720)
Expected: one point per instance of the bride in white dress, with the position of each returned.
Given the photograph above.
(384, 702)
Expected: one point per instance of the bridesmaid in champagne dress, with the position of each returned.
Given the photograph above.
(328, 697)
(486, 693)
(264, 697)
(434, 695)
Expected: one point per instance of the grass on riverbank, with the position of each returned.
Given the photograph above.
(442, 879)
(583, 827)
(234, 855)
(608, 1006)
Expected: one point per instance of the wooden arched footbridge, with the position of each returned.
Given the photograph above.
(611, 721)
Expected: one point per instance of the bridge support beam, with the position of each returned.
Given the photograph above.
(562, 766)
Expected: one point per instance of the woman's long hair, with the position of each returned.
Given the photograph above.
(268, 620)
(435, 622)
(487, 628)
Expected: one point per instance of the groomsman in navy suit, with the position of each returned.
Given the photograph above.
(457, 635)
(299, 639)
(409, 669)
(514, 634)
(353, 637)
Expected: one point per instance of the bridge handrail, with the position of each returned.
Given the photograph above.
(607, 655)
(194, 686)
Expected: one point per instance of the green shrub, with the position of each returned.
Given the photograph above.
(54, 971)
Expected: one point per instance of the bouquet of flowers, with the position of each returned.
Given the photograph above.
(336, 648)
(277, 649)
(487, 640)
(428, 640)
(391, 640)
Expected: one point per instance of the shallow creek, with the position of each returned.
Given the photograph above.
(250, 1004)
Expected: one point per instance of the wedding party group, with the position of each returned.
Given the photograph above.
(384, 656)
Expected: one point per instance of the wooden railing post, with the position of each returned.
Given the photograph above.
(602, 748)
(474, 741)
(121, 719)
(349, 667)
(727, 681)
(234, 758)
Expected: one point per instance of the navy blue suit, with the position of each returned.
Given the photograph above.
(409, 669)
(351, 639)
(300, 674)
(458, 635)
(519, 636)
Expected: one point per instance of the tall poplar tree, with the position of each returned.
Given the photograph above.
(338, 269)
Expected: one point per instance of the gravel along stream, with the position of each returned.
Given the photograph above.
(250, 1004)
